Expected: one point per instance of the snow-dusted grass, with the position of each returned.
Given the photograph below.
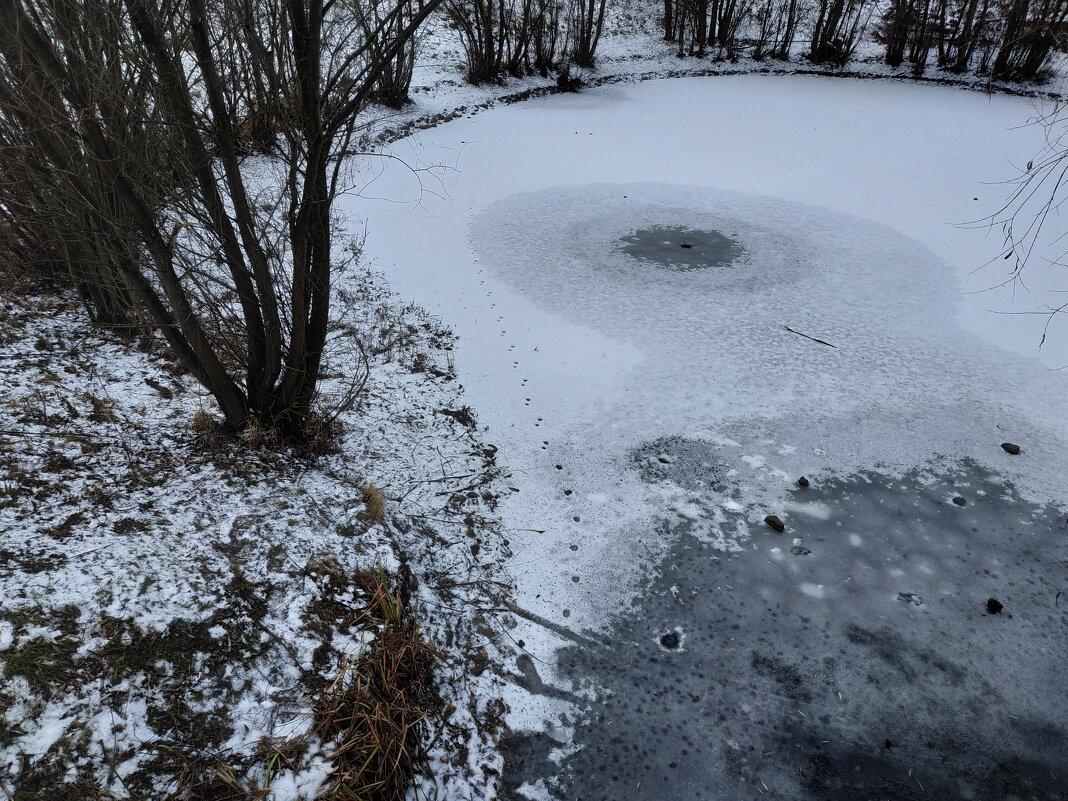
(174, 602)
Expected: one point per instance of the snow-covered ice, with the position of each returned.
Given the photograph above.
(851, 201)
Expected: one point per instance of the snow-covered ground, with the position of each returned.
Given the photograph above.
(173, 605)
(852, 201)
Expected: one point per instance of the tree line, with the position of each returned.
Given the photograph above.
(1008, 40)
(526, 37)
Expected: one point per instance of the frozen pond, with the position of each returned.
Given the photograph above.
(652, 403)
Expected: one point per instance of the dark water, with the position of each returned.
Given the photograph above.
(859, 663)
(680, 248)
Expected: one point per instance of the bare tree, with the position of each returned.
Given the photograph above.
(837, 30)
(898, 23)
(715, 23)
(791, 12)
(730, 15)
(146, 116)
(586, 22)
(483, 30)
(524, 36)
(381, 28)
(767, 25)
(67, 225)
(546, 33)
(1037, 200)
(698, 12)
(962, 28)
(1032, 29)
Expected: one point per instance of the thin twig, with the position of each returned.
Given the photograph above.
(806, 336)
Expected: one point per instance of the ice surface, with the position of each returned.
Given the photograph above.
(852, 674)
(680, 248)
(579, 359)
(718, 356)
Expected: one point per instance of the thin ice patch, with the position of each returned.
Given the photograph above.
(679, 248)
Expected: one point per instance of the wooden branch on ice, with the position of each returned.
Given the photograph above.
(806, 336)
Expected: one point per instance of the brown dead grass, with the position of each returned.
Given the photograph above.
(375, 503)
(202, 421)
(254, 434)
(202, 778)
(374, 710)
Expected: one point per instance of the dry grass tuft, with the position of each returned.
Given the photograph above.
(254, 434)
(102, 411)
(374, 710)
(320, 435)
(206, 778)
(375, 503)
(48, 779)
(384, 607)
(202, 421)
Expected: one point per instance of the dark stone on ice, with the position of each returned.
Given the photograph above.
(775, 523)
(1010, 447)
(994, 606)
(670, 640)
(959, 501)
(802, 482)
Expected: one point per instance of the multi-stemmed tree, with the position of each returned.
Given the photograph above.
(178, 159)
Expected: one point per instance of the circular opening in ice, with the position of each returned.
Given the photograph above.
(680, 248)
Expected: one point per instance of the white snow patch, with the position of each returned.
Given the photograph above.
(814, 509)
(48, 728)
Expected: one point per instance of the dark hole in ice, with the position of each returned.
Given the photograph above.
(670, 640)
(680, 248)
